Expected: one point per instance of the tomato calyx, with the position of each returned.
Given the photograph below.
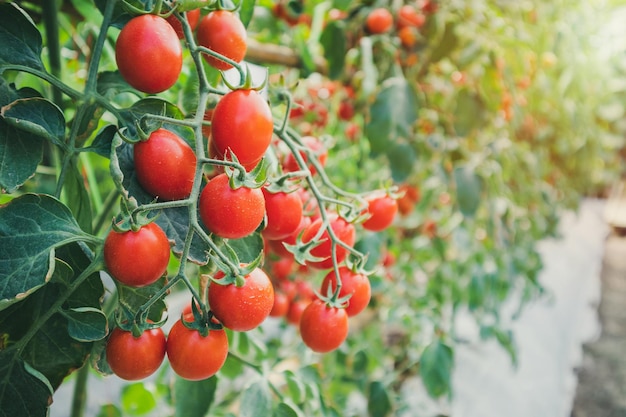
(246, 79)
(235, 275)
(135, 322)
(203, 320)
(302, 251)
(239, 177)
(129, 218)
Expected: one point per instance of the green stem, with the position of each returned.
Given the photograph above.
(79, 400)
(104, 214)
(54, 48)
(55, 82)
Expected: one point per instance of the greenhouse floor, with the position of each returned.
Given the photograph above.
(569, 362)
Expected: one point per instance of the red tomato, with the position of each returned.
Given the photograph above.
(296, 308)
(323, 328)
(408, 15)
(284, 213)
(379, 21)
(278, 246)
(148, 54)
(281, 304)
(344, 231)
(290, 164)
(134, 358)
(351, 283)
(193, 16)
(229, 213)
(165, 165)
(193, 356)
(282, 268)
(137, 258)
(242, 122)
(242, 308)
(382, 210)
(222, 31)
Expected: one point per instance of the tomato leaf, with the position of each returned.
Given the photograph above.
(24, 393)
(402, 158)
(469, 113)
(77, 196)
(20, 151)
(333, 40)
(256, 400)
(285, 409)
(26, 262)
(379, 403)
(436, 367)
(21, 41)
(132, 298)
(101, 145)
(194, 398)
(246, 10)
(392, 115)
(137, 399)
(447, 43)
(86, 324)
(37, 116)
(468, 190)
(133, 118)
(248, 248)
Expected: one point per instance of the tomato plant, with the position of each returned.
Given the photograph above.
(433, 110)
(135, 358)
(353, 283)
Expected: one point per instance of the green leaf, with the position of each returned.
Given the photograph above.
(137, 399)
(194, 398)
(436, 367)
(469, 113)
(285, 409)
(248, 248)
(448, 42)
(111, 83)
(77, 196)
(333, 40)
(392, 115)
(246, 10)
(153, 105)
(256, 401)
(21, 41)
(31, 227)
(379, 403)
(86, 324)
(297, 389)
(300, 38)
(402, 158)
(22, 393)
(20, 151)
(371, 244)
(132, 298)
(37, 116)
(468, 190)
(101, 145)
(110, 410)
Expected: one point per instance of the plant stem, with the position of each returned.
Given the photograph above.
(54, 49)
(79, 399)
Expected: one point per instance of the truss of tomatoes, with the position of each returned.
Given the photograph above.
(167, 168)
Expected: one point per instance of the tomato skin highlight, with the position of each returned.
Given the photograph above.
(345, 232)
(323, 328)
(382, 211)
(137, 258)
(242, 123)
(147, 43)
(351, 283)
(284, 213)
(165, 165)
(223, 32)
(193, 356)
(133, 358)
(242, 308)
(231, 214)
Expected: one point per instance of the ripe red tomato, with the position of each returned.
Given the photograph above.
(242, 122)
(323, 328)
(148, 54)
(281, 304)
(242, 308)
(137, 258)
(134, 358)
(382, 210)
(296, 308)
(408, 15)
(193, 356)
(282, 268)
(229, 213)
(290, 164)
(222, 31)
(278, 246)
(284, 213)
(344, 231)
(193, 16)
(165, 165)
(351, 283)
(379, 21)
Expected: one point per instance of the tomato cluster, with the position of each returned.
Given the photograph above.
(288, 211)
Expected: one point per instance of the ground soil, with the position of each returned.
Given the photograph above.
(601, 390)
